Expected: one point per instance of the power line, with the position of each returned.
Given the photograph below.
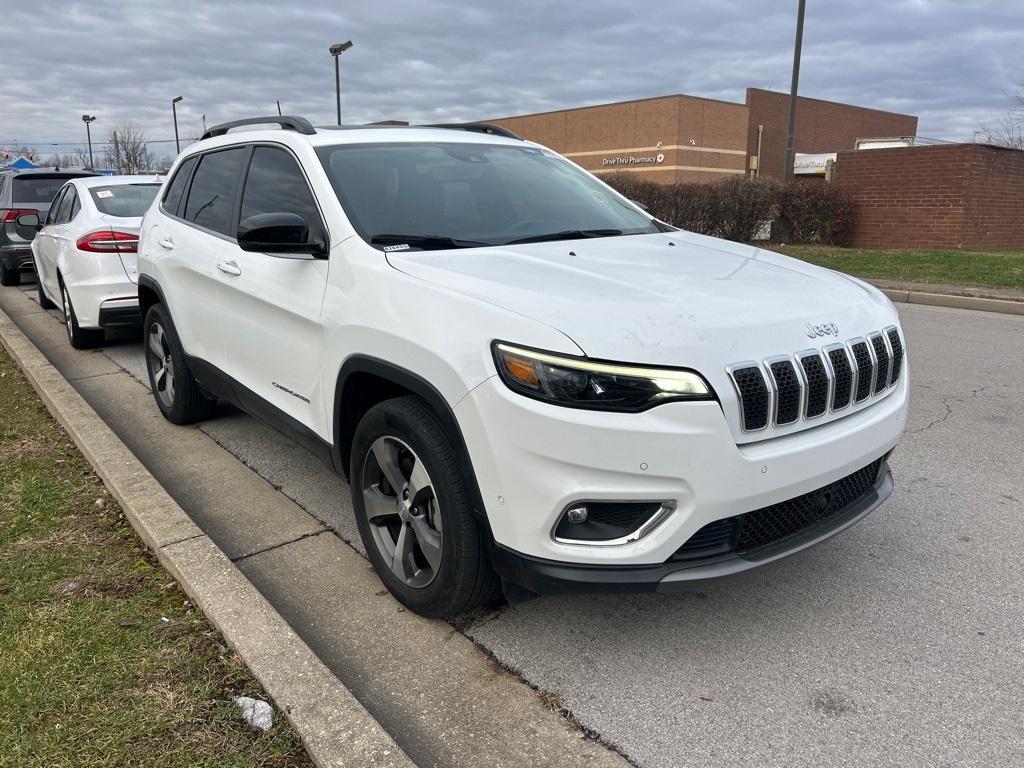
(23, 142)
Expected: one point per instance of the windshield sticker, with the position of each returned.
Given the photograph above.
(402, 247)
(104, 193)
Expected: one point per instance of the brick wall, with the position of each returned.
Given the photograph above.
(821, 126)
(956, 196)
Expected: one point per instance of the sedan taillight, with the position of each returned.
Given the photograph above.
(109, 241)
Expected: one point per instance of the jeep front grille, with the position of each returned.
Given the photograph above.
(782, 390)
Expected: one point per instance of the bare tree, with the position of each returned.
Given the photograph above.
(76, 159)
(127, 151)
(1009, 130)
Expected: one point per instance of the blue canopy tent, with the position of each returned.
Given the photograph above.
(21, 164)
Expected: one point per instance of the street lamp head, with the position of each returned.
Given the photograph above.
(88, 118)
(176, 99)
(338, 48)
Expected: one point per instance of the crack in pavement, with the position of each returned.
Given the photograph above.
(947, 404)
(272, 547)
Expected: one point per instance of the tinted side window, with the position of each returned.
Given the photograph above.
(275, 184)
(64, 213)
(51, 215)
(176, 189)
(211, 198)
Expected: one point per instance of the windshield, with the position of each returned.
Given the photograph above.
(125, 200)
(431, 196)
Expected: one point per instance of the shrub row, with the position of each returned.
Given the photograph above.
(735, 208)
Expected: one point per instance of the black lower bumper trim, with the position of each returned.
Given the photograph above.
(120, 317)
(551, 577)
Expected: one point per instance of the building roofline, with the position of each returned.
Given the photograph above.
(620, 103)
(826, 101)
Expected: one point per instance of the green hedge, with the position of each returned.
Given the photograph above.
(735, 208)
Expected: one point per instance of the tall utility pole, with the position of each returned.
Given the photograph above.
(336, 50)
(88, 136)
(793, 88)
(174, 111)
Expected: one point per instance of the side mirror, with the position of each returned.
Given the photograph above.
(278, 232)
(29, 221)
(639, 205)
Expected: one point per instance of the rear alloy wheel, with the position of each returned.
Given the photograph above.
(414, 512)
(80, 338)
(176, 392)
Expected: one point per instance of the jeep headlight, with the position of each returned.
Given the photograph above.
(582, 383)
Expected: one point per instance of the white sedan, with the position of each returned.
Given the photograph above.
(85, 253)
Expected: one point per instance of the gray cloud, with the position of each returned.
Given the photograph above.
(427, 60)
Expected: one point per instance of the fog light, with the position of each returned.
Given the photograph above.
(576, 514)
(609, 523)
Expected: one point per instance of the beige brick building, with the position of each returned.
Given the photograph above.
(688, 138)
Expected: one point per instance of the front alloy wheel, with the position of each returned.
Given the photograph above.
(414, 510)
(402, 511)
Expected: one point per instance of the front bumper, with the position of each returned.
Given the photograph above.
(548, 577)
(532, 460)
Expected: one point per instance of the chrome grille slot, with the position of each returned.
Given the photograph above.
(818, 384)
(842, 375)
(896, 345)
(882, 356)
(753, 394)
(865, 369)
(788, 391)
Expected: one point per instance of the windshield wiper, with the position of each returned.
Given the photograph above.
(569, 234)
(425, 242)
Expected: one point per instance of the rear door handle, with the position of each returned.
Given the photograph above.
(229, 267)
(166, 243)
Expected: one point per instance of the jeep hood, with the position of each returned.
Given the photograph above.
(668, 299)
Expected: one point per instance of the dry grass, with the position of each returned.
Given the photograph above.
(103, 662)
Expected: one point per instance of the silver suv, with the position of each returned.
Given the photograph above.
(25, 191)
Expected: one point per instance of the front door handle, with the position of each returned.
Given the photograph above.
(166, 243)
(229, 267)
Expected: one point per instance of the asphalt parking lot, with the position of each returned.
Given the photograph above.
(898, 642)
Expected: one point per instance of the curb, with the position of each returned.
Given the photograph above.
(955, 301)
(334, 727)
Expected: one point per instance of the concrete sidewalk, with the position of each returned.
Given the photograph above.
(1006, 300)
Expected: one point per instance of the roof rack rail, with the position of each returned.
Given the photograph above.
(287, 122)
(494, 130)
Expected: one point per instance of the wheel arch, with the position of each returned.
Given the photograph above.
(150, 293)
(365, 381)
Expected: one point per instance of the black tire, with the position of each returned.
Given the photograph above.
(177, 394)
(80, 338)
(464, 579)
(9, 276)
(44, 302)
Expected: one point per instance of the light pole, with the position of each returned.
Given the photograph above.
(88, 135)
(793, 88)
(174, 111)
(336, 50)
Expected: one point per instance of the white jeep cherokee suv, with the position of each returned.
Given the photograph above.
(521, 373)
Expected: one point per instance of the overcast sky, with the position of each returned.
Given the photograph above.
(950, 62)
